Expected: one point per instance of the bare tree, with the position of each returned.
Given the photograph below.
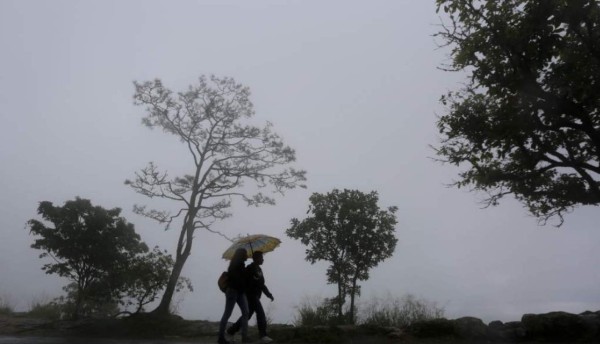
(208, 119)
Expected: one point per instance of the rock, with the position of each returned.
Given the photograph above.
(590, 313)
(555, 326)
(592, 323)
(512, 331)
(432, 328)
(394, 333)
(515, 330)
(470, 328)
(496, 331)
(496, 325)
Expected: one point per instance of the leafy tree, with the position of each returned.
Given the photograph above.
(140, 283)
(209, 119)
(349, 230)
(97, 303)
(146, 276)
(527, 122)
(89, 245)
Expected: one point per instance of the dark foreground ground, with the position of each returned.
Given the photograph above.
(149, 330)
(84, 340)
(554, 327)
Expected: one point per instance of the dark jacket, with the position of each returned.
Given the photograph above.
(236, 278)
(255, 281)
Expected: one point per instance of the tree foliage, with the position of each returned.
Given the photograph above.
(527, 122)
(97, 303)
(210, 119)
(100, 253)
(349, 230)
(147, 276)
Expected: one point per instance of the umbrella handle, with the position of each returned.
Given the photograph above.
(251, 249)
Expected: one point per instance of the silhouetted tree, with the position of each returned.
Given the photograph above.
(527, 122)
(209, 119)
(349, 230)
(89, 245)
(146, 276)
(97, 303)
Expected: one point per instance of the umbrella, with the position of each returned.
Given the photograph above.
(251, 243)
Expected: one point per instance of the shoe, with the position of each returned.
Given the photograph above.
(231, 331)
(247, 340)
(266, 339)
(223, 341)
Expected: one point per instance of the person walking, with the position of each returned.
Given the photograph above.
(235, 293)
(255, 287)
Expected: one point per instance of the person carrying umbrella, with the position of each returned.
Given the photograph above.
(235, 293)
(255, 245)
(255, 287)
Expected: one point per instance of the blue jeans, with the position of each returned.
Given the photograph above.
(232, 297)
(261, 320)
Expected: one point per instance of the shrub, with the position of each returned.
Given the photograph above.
(91, 307)
(380, 312)
(6, 307)
(311, 313)
(43, 309)
(399, 312)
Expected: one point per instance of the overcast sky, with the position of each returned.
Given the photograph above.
(352, 86)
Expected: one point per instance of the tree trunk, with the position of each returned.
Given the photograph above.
(352, 295)
(81, 290)
(78, 305)
(165, 302)
(339, 300)
(185, 239)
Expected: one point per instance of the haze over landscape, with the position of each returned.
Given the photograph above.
(352, 86)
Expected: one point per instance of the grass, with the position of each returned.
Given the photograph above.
(6, 306)
(43, 308)
(316, 321)
(316, 313)
(399, 312)
(386, 311)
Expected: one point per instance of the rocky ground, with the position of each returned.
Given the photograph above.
(554, 327)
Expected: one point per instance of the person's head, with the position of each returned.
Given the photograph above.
(257, 257)
(239, 257)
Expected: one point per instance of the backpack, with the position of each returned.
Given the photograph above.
(222, 282)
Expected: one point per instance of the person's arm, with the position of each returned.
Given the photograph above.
(267, 292)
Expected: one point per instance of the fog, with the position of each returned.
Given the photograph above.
(352, 86)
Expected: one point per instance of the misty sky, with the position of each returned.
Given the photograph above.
(352, 86)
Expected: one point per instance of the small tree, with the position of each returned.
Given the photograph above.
(97, 303)
(225, 151)
(147, 276)
(349, 230)
(527, 122)
(97, 250)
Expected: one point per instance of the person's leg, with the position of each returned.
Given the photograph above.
(235, 327)
(261, 318)
(230, 299)
(251, 306)
(243, 304)
(238, 324)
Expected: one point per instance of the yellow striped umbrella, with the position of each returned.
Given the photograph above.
(251, 243)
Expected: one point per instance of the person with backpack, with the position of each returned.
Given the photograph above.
(235, 293)
(255, 287)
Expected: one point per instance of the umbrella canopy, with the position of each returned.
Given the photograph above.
(251, 243)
